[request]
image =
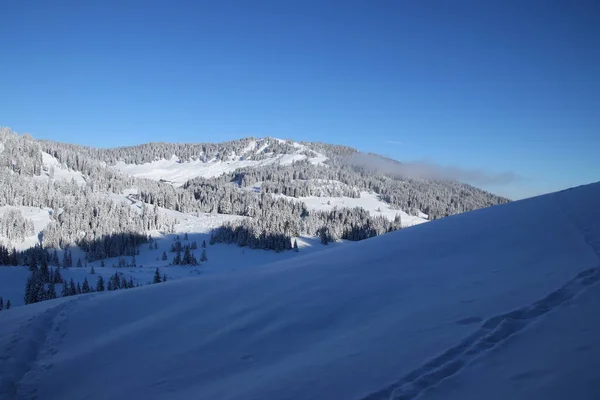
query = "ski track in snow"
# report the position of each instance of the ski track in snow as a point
(494, 331)
(28, 346)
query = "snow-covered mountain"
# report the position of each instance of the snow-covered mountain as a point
(496, 303)
(286, 189)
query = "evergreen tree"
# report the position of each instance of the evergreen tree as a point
(8, 304)
(204, 244)
(157, 278)
(32, 263)
(194, 245)
(124, 283)
(1, 303)
(130, 284)
(177, 259)
(51, 294)
(203, 257)
(185, 236)
(116, 281)
(164, 256)
(45, 272)
(110, 285)
(55, 262)
(133, 262)
(79, 265)
(164, 277)
(92, 271)
(295, 245)
(101, 263)
(65, 290)
(67, 261)
(187, 257)
(57, 276)
(78, 289)
(155, 245)
(29, 291)
(85, 288)
(72, 288)
(100, 284)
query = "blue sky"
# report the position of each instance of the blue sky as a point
(495, 89)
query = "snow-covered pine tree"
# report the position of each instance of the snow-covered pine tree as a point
(100, 284)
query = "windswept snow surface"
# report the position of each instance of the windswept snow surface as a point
(497, 303)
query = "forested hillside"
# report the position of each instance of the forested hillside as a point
(86, 194)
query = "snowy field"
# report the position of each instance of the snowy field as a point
(222, 257)
(499, 303)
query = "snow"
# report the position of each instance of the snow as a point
(371, 202)
(495, 303)
(40, 218)
(61, 172)
(222, 258)
(177, 172)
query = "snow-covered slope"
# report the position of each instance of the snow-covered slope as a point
(40, 218)
(177, 172)
(370, 202)
(53, 169)
(497, 303)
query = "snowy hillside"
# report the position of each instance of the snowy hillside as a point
(177, 171)
(368, 201)
(496, 303)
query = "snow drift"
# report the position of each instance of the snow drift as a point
(497, 303)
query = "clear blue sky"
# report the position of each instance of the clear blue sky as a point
(493, 86)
